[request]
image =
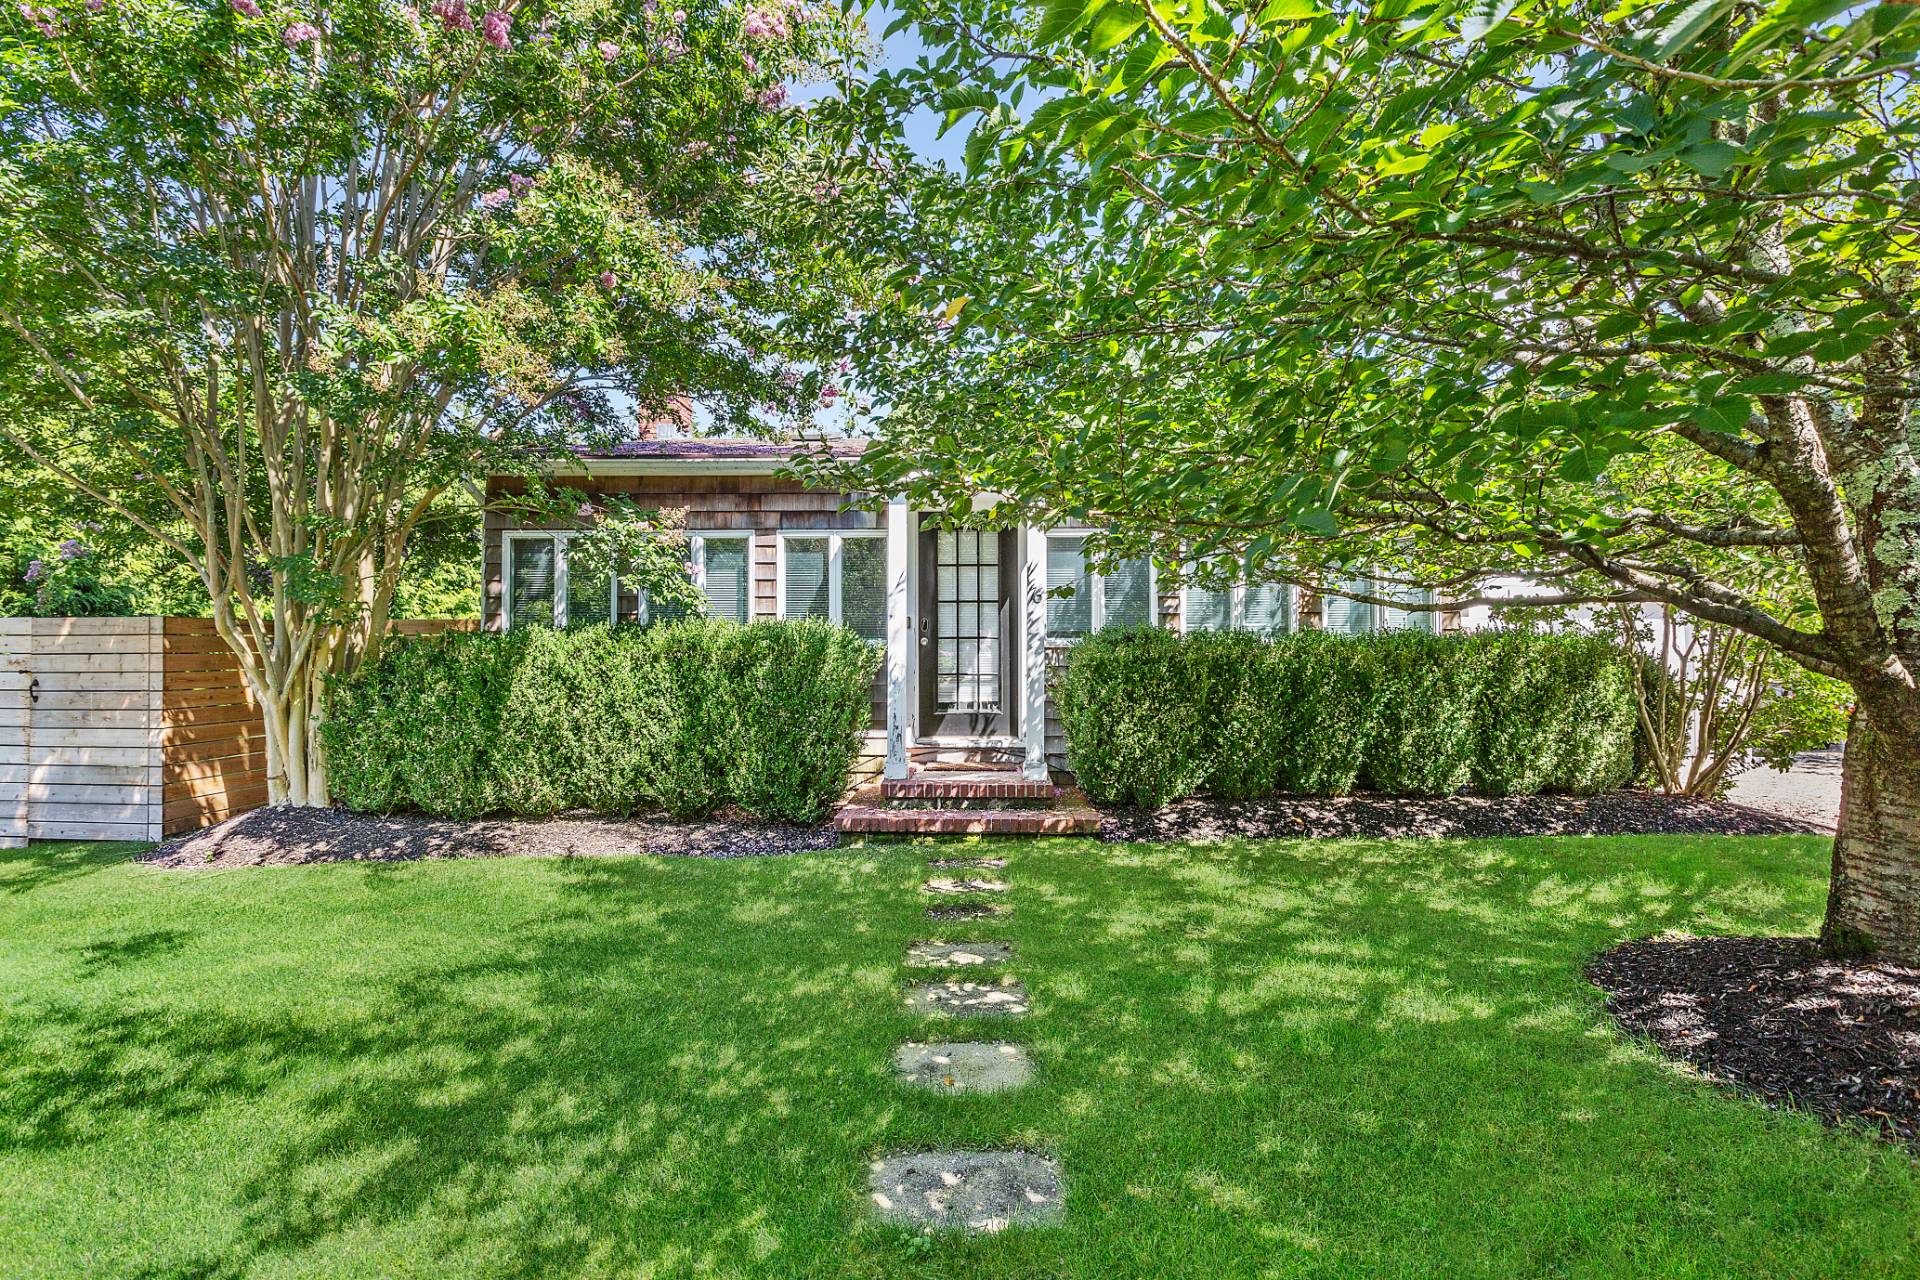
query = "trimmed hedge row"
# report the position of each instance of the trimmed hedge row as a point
(684, 717)
(1151, 715)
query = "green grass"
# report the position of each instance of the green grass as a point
(1266, 1059)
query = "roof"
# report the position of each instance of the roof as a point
(720, 450)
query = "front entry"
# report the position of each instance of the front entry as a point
(966, 649)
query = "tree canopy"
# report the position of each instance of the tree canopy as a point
(1616, 297)
(275, 277)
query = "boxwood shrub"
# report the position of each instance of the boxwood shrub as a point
(1151, 716)
(684, 717)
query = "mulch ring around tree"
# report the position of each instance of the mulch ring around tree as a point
(1617, 813)
(1776, 1018)
(293, 836)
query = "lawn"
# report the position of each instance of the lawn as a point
(1285, 1059)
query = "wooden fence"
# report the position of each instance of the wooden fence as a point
(127, 728)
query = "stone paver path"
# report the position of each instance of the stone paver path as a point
(1003, 1000)
(981, 1191)
(960, 884)
(966, 911)
(969, 1191)
(957, 955)
(964, 1067)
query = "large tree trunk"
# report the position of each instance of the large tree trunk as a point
(1873, 905)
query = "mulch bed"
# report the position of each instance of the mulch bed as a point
(1775, 1018)
(290, 837)
(1618, 813)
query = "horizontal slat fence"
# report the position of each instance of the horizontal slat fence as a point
(128, 728)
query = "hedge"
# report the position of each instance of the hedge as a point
(684, 717)
(1151, 716)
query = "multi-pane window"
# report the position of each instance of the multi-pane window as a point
(1081, 601)
(839, 576)
(542, 589)
(1345, 616)
(1265, 607)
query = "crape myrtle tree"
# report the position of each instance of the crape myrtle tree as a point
(289, 271)
(1618, 299)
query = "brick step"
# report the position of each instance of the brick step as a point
(954, 788)
(873, 820)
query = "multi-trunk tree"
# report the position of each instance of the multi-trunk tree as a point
(288, 272)
(1620, 299)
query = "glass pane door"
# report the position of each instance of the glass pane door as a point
(967, 609)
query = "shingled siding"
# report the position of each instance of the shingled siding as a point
(766, 505)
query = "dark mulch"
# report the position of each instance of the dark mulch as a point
(1776, 1018)
(1617, 813)
(288, 837)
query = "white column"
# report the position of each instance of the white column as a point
(899, 635)
(1033, 664)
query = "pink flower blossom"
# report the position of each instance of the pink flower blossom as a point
(453, 15)
(774, 97)
(751, 63)
(608, 50)
(45, 20)
(246, 8)
(751, 178)
(765, 23)
(299, 33)
(520, 183)
(495, 198)
(72, 549)
(828, 394)
(698, 148)
(95, 6)
(680, 17)
(494, 27)
(609, 281)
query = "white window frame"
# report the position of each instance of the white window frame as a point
(836, 572)
(1237, 606)
(560, 538)
(696, 565)
(1097, 615)
(1376, 614)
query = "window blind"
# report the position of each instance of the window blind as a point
(532, 570)
(725, 580)
(1071, 616)
(807, 564)
(1129, 594)
(863, 587)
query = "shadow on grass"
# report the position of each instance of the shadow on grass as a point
(45, 863)
(1368, 1052)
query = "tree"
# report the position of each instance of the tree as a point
(291, 273)
(1421, 282)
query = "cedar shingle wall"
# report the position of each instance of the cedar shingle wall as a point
(763, 504)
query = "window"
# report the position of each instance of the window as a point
(1121, 597)
(1353, 617)
(1265, 607)
(540, 590)
(837, 575)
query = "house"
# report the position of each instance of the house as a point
(967, 617)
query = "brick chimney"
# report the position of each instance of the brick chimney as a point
(674, 421)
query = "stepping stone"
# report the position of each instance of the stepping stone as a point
(966, 911)
(963, 1067)
(957, 955)
(978, 1192)
(947, 864)
(957, 884)
(968, 999)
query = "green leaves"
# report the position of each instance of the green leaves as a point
(1481, 16)
(1687, 26)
